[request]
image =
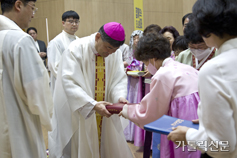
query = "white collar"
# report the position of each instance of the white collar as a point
(230, 44)
(69, 35)
(92, 43)
(8, 24)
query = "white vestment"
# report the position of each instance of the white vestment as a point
(55, 50)
(26, 101)
(74, 120)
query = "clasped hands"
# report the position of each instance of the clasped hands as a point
(100, 107)
(42, 54)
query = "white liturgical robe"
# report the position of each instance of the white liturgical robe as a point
(55, 50)
(74, 120)
(25, 98)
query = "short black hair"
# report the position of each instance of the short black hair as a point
(216, 16)
(180, 43)
(108, 39)
(191, 34)
(153, 28)
(170, 29)
(31, 28)
(185, 16)
(7, 5)
(70, 14)
(152, 46)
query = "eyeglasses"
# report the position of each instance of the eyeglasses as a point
(72, 22)
(33, 8)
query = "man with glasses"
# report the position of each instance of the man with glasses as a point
(198, 53)
(56, 47)
(90, 76)
(25, 97)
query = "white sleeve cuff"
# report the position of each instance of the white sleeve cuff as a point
(87, 110)
(190, 137)
(125, 111)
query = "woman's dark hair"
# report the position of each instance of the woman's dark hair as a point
(153, 28)
(152, 46)
(180, 43)
(170, 29)
(191, 34)
(108, 39)
(70, 14)
(7, 5)
(185, 16)
(31, 28)
(216, 16)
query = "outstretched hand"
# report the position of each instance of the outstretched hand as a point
(147, 74)
(123, 100)
(196, 121)
(101, 109)
(178, 135)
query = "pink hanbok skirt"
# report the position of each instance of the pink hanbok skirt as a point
(184, 108)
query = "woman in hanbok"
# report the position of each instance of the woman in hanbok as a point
(171, 34)
(173, 92)
(135, 91)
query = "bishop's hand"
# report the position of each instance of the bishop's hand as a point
(101, 109)
(123, 100)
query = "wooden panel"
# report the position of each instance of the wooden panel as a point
(52, 10)
(164, 19)
(164, 13)
(187, 6)
(95, 13)
(163, 5)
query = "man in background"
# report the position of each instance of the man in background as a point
(40, 45)
(56, 47)
(25, 98)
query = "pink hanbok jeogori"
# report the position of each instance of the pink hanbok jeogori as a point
(173, 92)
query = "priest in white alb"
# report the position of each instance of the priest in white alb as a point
(56, 47)
(25, 98)
(90, 76)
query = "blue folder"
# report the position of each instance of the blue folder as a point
(164, 124)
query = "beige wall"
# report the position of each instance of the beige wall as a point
(94, 13)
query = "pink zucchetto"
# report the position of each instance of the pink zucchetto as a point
(115, 31)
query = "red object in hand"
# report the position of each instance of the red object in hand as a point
(116, 108)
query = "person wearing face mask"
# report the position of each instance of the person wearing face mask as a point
(198, 53)
(173, 91)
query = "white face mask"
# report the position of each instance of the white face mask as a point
(200, 54)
